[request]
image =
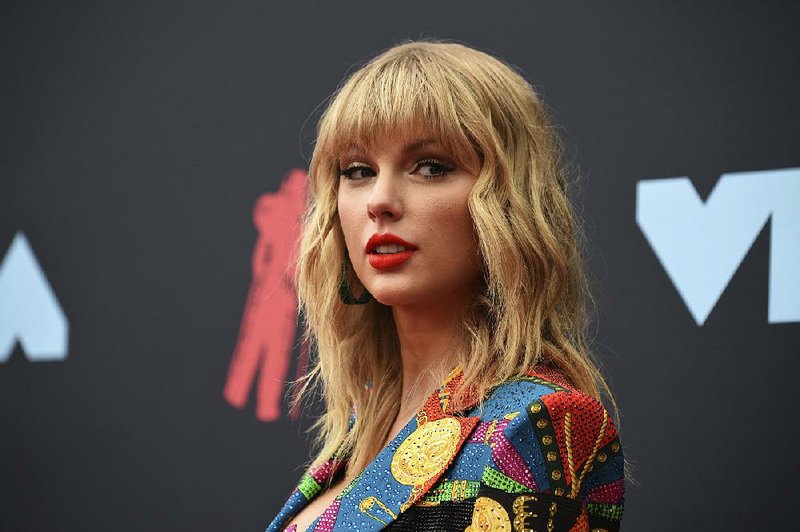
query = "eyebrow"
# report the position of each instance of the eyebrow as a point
(413, 146)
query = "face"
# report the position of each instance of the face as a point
(403, 209)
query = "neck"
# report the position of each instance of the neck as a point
(428, 337)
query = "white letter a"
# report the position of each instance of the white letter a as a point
(29, 311)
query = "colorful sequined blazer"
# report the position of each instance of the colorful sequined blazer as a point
(539, 456)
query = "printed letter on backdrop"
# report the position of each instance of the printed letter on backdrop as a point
(701, 245)
(29, 310)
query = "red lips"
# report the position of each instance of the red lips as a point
(384, 261)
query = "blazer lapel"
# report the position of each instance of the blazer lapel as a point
(406, 468)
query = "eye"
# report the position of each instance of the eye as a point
(356, 171)
(431, 168)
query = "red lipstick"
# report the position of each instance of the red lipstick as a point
(384, 261)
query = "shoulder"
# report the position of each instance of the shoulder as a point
(565, 440)
(544, 393)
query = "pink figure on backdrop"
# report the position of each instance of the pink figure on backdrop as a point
(269, 322)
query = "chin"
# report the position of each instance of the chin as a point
(391, 298)
(394, 294)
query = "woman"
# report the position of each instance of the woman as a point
(442, 284)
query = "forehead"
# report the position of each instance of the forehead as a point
(411, 145)
(401, 144)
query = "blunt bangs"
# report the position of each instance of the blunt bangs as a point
(399, 97)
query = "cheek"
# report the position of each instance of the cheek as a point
(349, 221)
(452, 222)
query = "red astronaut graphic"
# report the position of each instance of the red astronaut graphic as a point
(268, 326)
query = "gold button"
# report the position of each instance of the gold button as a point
(551, 456)
(556, 474)
(558, 491)
(615, 446)
(536, 408)
(547, 439)
(542, 423)
(602, 457)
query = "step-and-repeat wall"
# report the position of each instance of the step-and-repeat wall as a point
(152, 170)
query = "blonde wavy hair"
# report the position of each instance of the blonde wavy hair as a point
(532, 307)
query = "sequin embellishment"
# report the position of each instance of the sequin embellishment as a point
(373, 507)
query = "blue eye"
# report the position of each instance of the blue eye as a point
(431, 169)
(357, 171)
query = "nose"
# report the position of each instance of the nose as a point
(385, 198)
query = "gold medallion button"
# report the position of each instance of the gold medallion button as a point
(489, 516)
(426, 451)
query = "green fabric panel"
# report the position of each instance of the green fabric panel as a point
(495, 479)
(444, 491)
(308, 486)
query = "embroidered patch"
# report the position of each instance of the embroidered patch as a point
(426, 451)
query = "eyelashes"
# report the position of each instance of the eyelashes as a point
(357, 171)
(437, 168)
(429, 169)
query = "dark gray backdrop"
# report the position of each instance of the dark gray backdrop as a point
(136, 137)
